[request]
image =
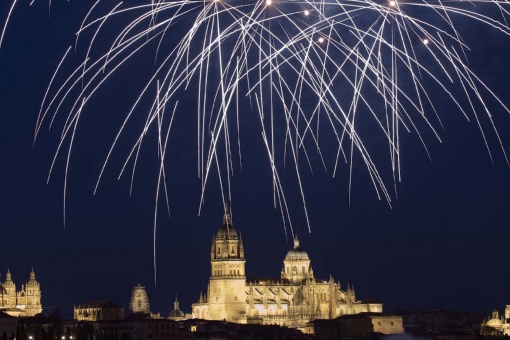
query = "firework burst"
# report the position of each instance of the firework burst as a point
(354, 70)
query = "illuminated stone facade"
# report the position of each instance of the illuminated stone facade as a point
(496, 325)
(98, 311)
(291, 300)
(25, 302)
(139, 300)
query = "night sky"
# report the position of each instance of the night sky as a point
(442, 244)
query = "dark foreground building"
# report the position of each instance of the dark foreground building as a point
(362, 325)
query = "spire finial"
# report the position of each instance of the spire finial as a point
(176, 303)
(226, 217)
(296, 242)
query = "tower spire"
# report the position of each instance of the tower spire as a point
(176, 303)
(227, 220)
(296, 242)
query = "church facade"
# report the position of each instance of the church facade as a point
(25, 302)
(497, 325)
(292, 300)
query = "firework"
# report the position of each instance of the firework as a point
(353, 70)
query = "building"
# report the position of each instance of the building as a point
(25, 302)
(98, 311)
(291, 300)
(444, 323)
(8, 326)
(496, 325)
(356, 326)
(139, 301)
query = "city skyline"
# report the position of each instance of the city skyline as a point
(441, 245)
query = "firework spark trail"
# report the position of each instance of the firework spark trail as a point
(302, 65)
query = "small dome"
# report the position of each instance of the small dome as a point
(176, 314)
(296, 253)
(32, 281)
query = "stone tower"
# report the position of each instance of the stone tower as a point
(10, 288)
(226, 292)
(139, 300)
(30, 296)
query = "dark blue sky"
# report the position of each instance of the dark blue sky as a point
(442, 244)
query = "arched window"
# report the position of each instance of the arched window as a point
(303, 269)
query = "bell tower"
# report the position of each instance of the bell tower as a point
(10, 287)
(32, 298)
(227, 284)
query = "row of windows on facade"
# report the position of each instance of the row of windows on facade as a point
(232, 272)
(295, 270)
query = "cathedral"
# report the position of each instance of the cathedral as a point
(25, 302)
(292, 300)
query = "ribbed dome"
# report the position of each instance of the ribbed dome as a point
(226, 231)
(176, 313)
(296, 253)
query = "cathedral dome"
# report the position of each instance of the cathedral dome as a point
(494, 323)
(296, 254)
(176, 313)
